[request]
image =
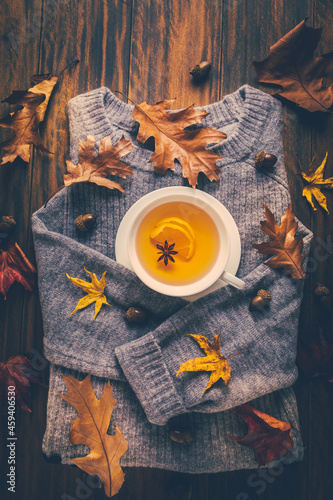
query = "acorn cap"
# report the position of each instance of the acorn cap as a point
(264, 294)
(200, 71)
(8, 219)
(260, 158)
(321, 290)
(79, 224)
(85, 222)
(7, 225)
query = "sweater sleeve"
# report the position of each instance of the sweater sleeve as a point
(149, 356)
(268, 338)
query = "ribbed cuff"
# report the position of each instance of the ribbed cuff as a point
(145, 370)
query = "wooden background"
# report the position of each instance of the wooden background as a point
(146, 48)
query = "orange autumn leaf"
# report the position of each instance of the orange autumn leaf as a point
(25, 121)
(90, 429)
(213, 362)
(315, 182)
(283, 245)
(291, 65)
(95, 169)
(172, 142)
(269, 438)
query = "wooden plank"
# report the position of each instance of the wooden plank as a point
(321, 401)
(19, 61)
(98, 34)
(169, 39)
(249, 29)
(19, 47)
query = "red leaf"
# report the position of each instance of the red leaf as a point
(269, 438)
(316, 359)
(18, 372)
(15, 266)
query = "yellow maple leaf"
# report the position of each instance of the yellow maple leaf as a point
(214, 362)
(316, 181)
(95, 291)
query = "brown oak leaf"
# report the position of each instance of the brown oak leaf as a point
(25, 121)
(269, 438)
(44, 84)
(15, 266)
(315, 182)
(16, 375)
(172, 142)
(90, 428)
(95, 169)
(316, 359)
(291, 65)
(283, 245)
(213, 362)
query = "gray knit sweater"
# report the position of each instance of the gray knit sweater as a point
(142, 361)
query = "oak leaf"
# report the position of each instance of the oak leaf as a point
(90, 429)
(291, 65)
(44, 84)
(269, 438)
(315, 182)
(15, 266)
(95, 169)
(316, 359)
(94, 289)
(173, 142)
(283, 245)
(214, 362)
(17, 374)
(25, 121)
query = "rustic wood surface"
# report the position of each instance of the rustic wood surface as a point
(146, 48)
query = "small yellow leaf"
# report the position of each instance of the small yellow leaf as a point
(214, 361)
(315, 182)
(95, 291)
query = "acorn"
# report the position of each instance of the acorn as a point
(181, 436)
(136, 315)
(85, 222)
(324, 295)
(200, 71)
(264, 159)
(262, 298)
(7, 224)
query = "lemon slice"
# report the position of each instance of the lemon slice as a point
(179, 222)
(174, 233)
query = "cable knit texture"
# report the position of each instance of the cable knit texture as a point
(142, 361)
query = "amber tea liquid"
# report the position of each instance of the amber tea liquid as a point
(182, 271)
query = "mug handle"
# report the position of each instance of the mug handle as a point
(232, 280)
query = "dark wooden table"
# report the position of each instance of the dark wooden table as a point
(146, 48)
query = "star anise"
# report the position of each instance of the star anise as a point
(167, 252)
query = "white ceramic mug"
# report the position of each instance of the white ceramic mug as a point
(224, 224)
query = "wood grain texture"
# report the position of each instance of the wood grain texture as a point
(321, 394)
(145, 49)
(168, 39)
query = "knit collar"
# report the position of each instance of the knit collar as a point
(247, 109)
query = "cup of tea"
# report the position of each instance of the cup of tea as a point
(179, 241)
